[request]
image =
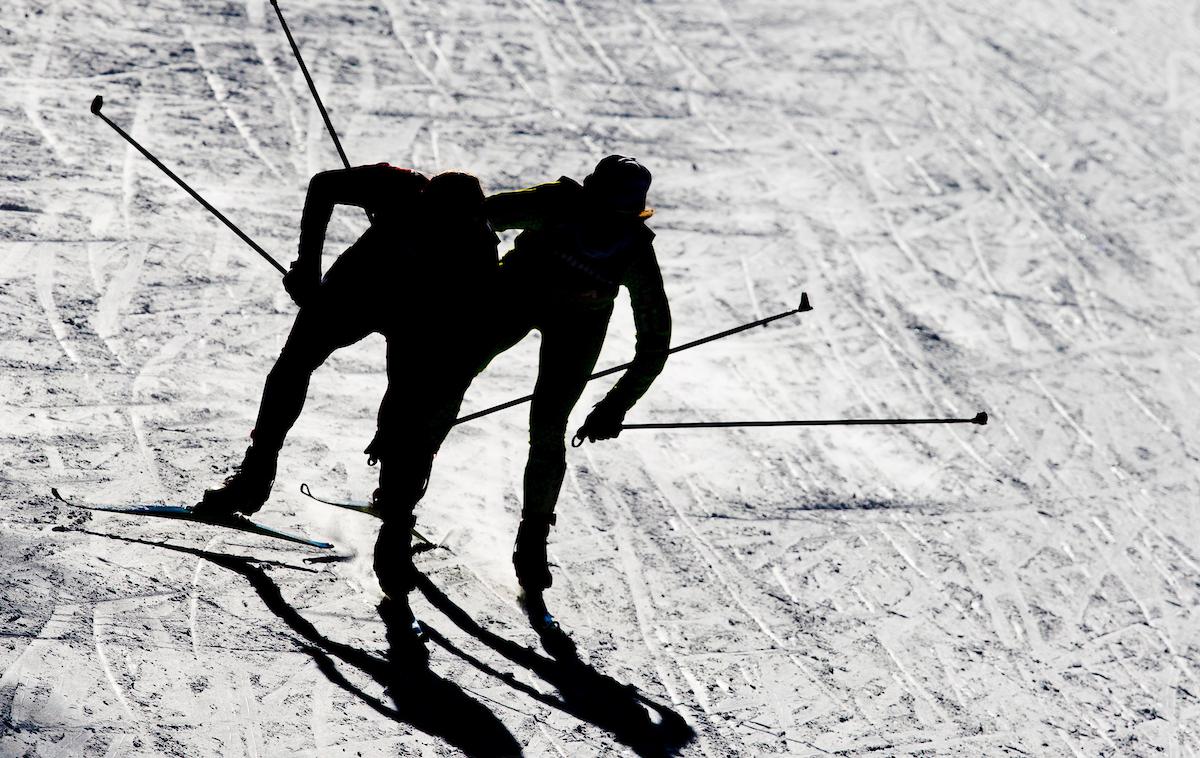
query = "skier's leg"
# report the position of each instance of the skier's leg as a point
(405, 445)
(345, 310)
(443, 362)
(416, 414)
(571, 343)
(418, 410)
(326, 325)
(402, 478)
(414, 420)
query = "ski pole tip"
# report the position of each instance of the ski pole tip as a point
(981, 418)
(804, 304)
(97, 104)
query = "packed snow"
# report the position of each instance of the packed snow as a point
(992, 206)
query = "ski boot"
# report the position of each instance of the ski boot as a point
(244, 491)
(529, 553)
(556, 641)
(540, 618)
(405, 635)
(533, 575)
(397, 578)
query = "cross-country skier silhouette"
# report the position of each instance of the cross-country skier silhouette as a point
(430, 257)
(429, 245)
(579, 243)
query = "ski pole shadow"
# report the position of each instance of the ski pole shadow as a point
(422, 699)
(644, 726)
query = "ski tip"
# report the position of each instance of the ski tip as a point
(804, 304)
(97, 104)
(981, 418)
(322, 545)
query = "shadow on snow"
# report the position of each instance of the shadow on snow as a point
(438, 707)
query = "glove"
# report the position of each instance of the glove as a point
(603, 423)
(301, 282)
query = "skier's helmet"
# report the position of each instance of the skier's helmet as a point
(620, 184)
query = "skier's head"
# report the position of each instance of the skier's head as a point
(620, 184)
(453, 197)
(455, 224)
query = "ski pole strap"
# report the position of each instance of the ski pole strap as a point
(980, 419)
(98, 103)
(803, 307)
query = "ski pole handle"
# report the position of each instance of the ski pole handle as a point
(98, 103)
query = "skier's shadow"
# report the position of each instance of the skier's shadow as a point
(440, 708)
(422, 699)
(646, 727)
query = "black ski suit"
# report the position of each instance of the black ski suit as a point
(561, 278)
(394, 274)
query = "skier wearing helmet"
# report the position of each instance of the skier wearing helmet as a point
(579, 243)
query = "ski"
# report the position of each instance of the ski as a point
(358, 506)
(369, 509)
(181, 513)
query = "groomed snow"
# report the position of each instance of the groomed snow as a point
(992, 206)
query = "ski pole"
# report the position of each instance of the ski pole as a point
(98, 103)
(312, 87)
(980, 419)
(803, 307)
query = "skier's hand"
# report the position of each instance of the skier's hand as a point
(301, 282)
(602, 423)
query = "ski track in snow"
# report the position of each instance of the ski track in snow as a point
(992, 207)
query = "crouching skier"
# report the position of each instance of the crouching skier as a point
(409, 277)
(578, 244)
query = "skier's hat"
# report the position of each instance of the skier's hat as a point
(620, 184)
(451, 198)
(453, 191)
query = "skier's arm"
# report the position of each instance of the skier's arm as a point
(652, 320)
(374, 188)
(529, 208)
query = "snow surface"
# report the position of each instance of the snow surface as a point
(992, 204)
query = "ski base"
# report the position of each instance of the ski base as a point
(181, 513)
